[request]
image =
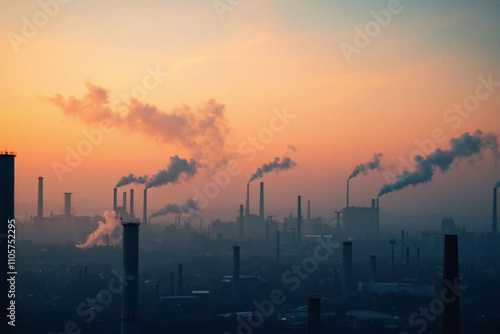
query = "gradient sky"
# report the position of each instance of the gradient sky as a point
(262, 57)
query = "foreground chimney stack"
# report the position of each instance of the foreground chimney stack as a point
(145, 207)
(247, 209)
(450, 320)
(241, 222)
(314, 315)
(130, 307)
(261, 206)
(347, 195)
(115, 199)
(236, 274)
(125, 201)
(347, 269)
(308, 211)
(67, 207)
(299, 221)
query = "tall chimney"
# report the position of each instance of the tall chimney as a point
(125, 201)
(236, 274)
(347, 269)
(347, 197)
(378, 213)
(267, 228)
(115, 199)
(308, 211)
(261, 205)
(172, 283)
(130, 307)
(247, 209)
(241, 222)
(314, 315)
(132, 202)
(145, 208)
(373, 268)
(277, 247)
(180, 279)
(299, 221)
(407, 261)
(67, 207)
(494, 223)
(40, 197)
(450, 320)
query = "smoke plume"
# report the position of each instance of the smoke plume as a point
(131, 179)
(291, 148)
(203, 131)
(175, 169)
(275, 165)
(465, 146)
(185, 208)
(109, 227)
(370, 165)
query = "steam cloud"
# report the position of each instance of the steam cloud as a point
(275, 165)
(175, 169)
(109, 227)
(370, 165)
(203, 131)
(189, 206)
(462, 147)
(131, 179)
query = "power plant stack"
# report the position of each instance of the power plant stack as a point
(67, 208)
(236, 274)
(40, 199)
(130, 307)
(124, 202)
(308, 211)
(247, 208)
(132, 202)
(115, 199)
(347, 269)
(6, 214)
(314, 315)
(145, 208)
(299, 221)
(261, 205)
(450, 320)
(347, 195)
(241, 223)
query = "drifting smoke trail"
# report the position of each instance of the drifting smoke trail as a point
(275, 165)
(109, 228)
(203, 131)
(175, 168)
(188, 207)
(462, 147)
(292, 148)
(131, 179)
(364, 168)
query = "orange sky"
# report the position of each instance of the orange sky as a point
(261, 58)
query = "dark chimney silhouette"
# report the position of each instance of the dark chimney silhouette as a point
(299, 221)
(347, 195)
(314, 315)
(132, 202)
(67, 207)
(450, 319)
(115, 198)
(145, 208)
(308, 211)
(40, 198)
(241, 222)
(247, 208)
(347, 269)
(125, 201)
(261, 205)
(236, 274)
(130, 292)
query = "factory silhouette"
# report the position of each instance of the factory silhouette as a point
(130, 271)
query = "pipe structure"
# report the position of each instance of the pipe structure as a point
(308, 211)
(40, 198)
(261, 202)
(450, 319)
(130, 297)
(347, 269)
(145, 208)
(299, 221)
(115, 198)
(347, 195)
(314, 315)
(247, 208)
(236, 275)
(67, 207)
(241, 223)
(132, 202)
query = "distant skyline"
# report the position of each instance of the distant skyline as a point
(235, 87)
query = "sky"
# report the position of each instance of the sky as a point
(93, 91)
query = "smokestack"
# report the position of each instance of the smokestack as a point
(115, 199)
(299, 221)
(132, 202)
(314, 315)
(347, 269)
(308, 211)
(277, 247)
(130, 307)
(378, 212)
(236, 274)
(172, 283)
(125, 201)
(494, 223)
(347, 197)
(180, 279)
(247, 209)
(267, 228)
(40, 197)
(261, 205)
(373, 268)
(67, 207)
(407, 261)
(145, 208)
(241, 222)
(450, 320)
